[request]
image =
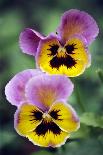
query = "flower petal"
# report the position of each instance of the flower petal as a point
(29, 40)
(77, 22)
(79, 55)
(14, 90)
(64, 116)
(50, 138)
(46, 51)
(43, 90)
(29, 122)
(53, 58)
(27, 118)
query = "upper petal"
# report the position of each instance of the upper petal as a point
(43, 90)
(14, 90)
(77, 22)
(29, 40)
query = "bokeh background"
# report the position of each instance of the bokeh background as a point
(87, 99)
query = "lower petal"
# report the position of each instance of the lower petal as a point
(79, 55)
(80, 48)
(64, 116)
(27, 117)
(49, 139)
(71, 64)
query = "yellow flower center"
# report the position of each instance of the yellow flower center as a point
(61, 52)
(46, 115)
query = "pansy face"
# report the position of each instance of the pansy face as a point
(70, 59)
(43, 116)
(66, 52)
(49, 128)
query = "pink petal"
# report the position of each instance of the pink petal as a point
(29, 40)
(14, 90)
(77, 22)
(44, 89)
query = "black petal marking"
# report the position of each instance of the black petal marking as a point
(70, 48)
(45, 126)
(54, 114)
(68, 61)
(37, 115)
(53, 48)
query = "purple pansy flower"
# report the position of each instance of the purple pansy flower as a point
(43, 115)
(65, 52)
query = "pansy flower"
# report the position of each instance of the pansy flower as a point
(65, 52)
(43, 115)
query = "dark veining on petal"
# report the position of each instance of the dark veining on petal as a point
(45, 126)
(70, 48)
(54, 114)
(37, 115)
(67, 61)
(53, 48)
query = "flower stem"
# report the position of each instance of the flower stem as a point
(100, 74)
(80, 103)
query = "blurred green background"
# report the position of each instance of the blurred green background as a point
(87, 99)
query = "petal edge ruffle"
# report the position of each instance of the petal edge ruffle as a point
(77, 22)
(29, 40)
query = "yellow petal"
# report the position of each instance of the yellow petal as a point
(79, 53)
(64, 116)
(60, 62)
(27, 118)
(46, 55)
(45, 136)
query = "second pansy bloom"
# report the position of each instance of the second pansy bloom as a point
(67, 51)
(42, 115)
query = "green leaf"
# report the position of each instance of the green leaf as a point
(92, 119)
(81, 133)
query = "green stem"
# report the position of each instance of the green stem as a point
(100, 74)
(55, 151)
(70, 140)
(80, 103)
